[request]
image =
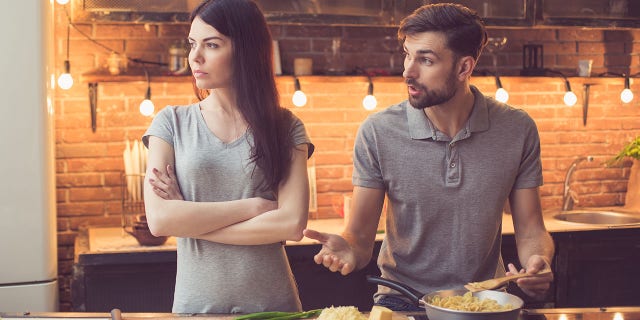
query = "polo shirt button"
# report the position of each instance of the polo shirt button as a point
(453, 165)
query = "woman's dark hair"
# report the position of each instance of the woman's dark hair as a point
(463, 28)
(254, 83)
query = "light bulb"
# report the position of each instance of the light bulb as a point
(147, 107)
(369, 102)
(570, 98)
(502, 95)
(626, 95)
(65, 81)
(299, 98)
(62, 2)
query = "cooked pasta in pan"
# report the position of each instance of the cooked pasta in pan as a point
(468, 302)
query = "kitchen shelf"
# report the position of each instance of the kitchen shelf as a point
(133, 74)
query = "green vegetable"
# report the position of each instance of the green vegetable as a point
(263, 315)
(631, 150)
(279, 315)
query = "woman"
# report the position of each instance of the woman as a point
(240, 186)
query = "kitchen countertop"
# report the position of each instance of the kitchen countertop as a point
(615, 313)
(114, 239)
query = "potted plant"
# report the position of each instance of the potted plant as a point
(631, 150)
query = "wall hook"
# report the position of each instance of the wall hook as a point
(585, 102)
(93, 104)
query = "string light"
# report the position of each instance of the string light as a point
(570, 98)
(501, 94)
(146, 106)
(369, 102)
(626, 95)
(65, 81)
(299, 99)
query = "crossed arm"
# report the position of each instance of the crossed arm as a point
(243, 222)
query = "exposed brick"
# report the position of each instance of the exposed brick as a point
(577, 34)
(330, 172)
(178, 30)
(312, 31)
(600, 47)
(125, 31)
(79, 180)
(342, 185)
(89, 47)
(79, 209)
(297, 45)
(66, 238)
(84, 150)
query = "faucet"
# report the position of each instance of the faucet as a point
(569, 197)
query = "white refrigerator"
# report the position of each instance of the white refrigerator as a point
(28, 246)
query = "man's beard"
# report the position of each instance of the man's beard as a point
(430, 98)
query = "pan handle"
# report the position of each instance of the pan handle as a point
(406, 290)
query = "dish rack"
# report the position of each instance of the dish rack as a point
(132, 198)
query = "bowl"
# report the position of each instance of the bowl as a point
(503, 298)
(140, 231)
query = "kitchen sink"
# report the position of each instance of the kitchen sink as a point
(597, 217)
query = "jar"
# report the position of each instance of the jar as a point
(114, 63)
(177, 57)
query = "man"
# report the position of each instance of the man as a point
(448, 159)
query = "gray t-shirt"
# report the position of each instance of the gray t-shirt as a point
(446, 195)
(214, 277)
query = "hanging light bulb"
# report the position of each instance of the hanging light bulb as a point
(501, 94)
(369, 102)
(570, 98)
(65, 81)
(146, 106)
(626, 95)
(299, 98)
(62, 2)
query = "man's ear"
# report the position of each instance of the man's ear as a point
(465, 67)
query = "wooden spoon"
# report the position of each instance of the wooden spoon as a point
(499, 282)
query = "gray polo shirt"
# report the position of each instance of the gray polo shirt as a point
(445, 194)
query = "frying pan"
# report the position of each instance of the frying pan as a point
(438, 313)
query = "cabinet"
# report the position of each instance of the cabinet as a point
(496, 13)
(598, 268)
(546, 13)
(320, 288)
(590, 13)
(595, 268)
(130, 281)
(511, 13)
(592, 269)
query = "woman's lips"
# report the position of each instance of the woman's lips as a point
(199, 73)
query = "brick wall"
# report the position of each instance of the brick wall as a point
(89, 164)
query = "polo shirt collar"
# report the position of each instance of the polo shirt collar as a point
(420, 127)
